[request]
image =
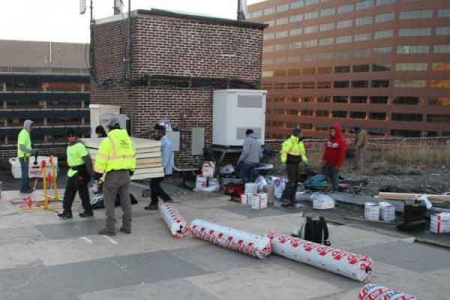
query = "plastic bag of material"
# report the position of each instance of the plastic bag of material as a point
(322, 201)
(260, 182)
(227, 169)
(424, 198)
(280, 186)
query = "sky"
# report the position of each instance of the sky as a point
(60, 21)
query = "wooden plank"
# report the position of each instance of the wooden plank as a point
(406, 196)
(138, 143)
(149, 171)
(147, 176)
(147, 166)
(138, 156)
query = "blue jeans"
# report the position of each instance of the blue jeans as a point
(25, 179)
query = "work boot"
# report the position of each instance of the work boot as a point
(106, 231)
(65, 215)
(124, 230)
(152, 207)
(286, 202)
(86, 214)
(27, 191)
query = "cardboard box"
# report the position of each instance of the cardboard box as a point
(372, 211)
(246, 199)
(440, 223)
(251, 188)
(259, 201)
(387, 211)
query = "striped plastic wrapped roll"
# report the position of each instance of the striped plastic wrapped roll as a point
(245, 242)
(378, 292)
(176, 223)
(354, 266)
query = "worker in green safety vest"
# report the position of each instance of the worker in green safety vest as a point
(24, 151)
(79, 175)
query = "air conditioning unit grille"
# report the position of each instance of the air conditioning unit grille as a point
(240, 132)
(250, 101)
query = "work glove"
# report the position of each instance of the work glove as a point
(131, 173)
(96, 176)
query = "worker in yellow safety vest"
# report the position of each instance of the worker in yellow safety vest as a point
(78, 176)
(292, 154)
(24, 151)
(116, 157)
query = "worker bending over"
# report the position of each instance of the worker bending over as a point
(79, 175)
(292, 154)
(24, 151)
(116, 157)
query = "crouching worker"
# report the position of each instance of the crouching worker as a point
(80, 168)
(292, 154)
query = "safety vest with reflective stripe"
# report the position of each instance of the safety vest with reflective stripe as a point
(293, 147)
(116, 152)
(23, 139)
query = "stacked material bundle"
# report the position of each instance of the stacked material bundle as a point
(174, 220)
(375, 292)
(148, 155)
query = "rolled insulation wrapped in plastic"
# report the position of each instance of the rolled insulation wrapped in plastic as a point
(245, 242)
(378, 292)
(176, 223)
(338, 261)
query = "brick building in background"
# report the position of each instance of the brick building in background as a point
(47, 83)
(383, 65)
(177, 61)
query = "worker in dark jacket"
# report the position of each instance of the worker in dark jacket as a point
(80, 168)
(251, 154)
(334, 155)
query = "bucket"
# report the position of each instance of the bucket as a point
(15, 167)
(200, 183)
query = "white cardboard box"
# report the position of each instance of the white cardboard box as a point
(440, 223)
(251, 188)
(372, 211)
(387, 211)
(246, 199)
(259, 201)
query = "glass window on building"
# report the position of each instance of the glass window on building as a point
(306, 126)
(326, 12)
(326, 27)
(326, 41)
(362, 37)
(443, 66)
(307, 99)
(344, 39)
(438, 118)
(416, 14)
(384, 17)
(443, 31)
(325, 56)
(366, 4)
(280, 60)
(269, 48)
(281, 47)
(281, 34)
(339, 114)
(322, 113)
(281, 8)
(296, 4)
(410, 83)
(406, 100)
(382, 50)
(442, 84)
(358, 115)
(439, 101)
(359, 84)
(441, 48)
(324, 99)
(377, 116)
(358, 99)
(295, 58)
(381, 67)
(308, 85)
(411, 67)
(295, 32)
(310, 43)
(311, 2)
(294, 72)
(413, 49)
(324, 70)
(270, 22)
(384, 34)
(380, 83)
(309, 71)
(269, 36)
(340, 99)
(269, 11)
(385, 2)
(282, 21)
(257, 14)
(294, 99)
(295, 45)
(345, 8)
(342, 69)
(311, 29)
(267, 74)
(405, 133)
(376, 131)
(407, 117)
(344, 24)
(296, 18)
(363, 21)
(444, 13)
(306, 113)
(378, 100)
(414, 32)
(311, 15)
(279, 86)
(324, 85)
(361, 68)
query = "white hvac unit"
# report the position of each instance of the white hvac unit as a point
(235, 111)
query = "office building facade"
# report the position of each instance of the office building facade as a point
(383, 65)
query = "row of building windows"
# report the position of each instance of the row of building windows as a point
(380, 67)
(350, 54)
(380, 18)
(345, 84)
(362, 115)
(400, 100)
(382, 34)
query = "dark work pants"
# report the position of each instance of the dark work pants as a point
(293, 173)
(25, 179)
(77, 183)
(333, 175)
(117, 183)
(157, 191)
(247, 172)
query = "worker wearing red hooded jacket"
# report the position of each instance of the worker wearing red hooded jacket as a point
(334, 155)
